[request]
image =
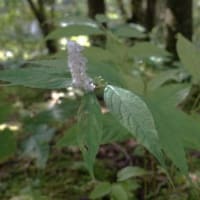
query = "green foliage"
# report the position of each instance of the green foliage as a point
(89, 120)
(118, 192)
(37, 146)
(100, 190)
(145, 50)
(37, 77)
(75, 30)
(134, 114)
(189, 56)
(7, 144)
(130, 172)
(128, 31)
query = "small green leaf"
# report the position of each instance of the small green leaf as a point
(7, 145)
(128, 31)
(90, 124)
(118, 192)
(101, 189)
(130, 172)
(75, 30)
(145, 50)
(189, 56)
(133, 114)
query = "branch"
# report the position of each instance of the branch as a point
(34, 8)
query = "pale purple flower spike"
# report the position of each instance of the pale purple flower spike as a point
(77, 67)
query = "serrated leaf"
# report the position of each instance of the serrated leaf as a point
(37, 77)
(129, 172)
(7, 145)
(101, 189)
(90, 124)
(118, 192)
(133, 114)
(189, 56)
(75, 30)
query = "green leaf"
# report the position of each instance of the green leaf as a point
(112, 130)
(172, 126)
(133, 114)
(128, 31)
(189, 56)
(165, 77)
(145, 50)
(90, 124)
(38, 77)
(70, 137)
(118, 192)
(5, 109)
(101, 189)
(36, 146)
(129, 172)
(75, 30)
(7, 145)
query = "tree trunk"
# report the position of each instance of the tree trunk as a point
(46, 24)
(122, 9)
(178, 19)
(150, 14)
(97, 7)
(137, 12)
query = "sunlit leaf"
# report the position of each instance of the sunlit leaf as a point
(133, 113)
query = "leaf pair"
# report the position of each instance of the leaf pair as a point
(156, 125)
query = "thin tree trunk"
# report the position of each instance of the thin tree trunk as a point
(46, 25)
(150, 14)
(178, 20)
(97, 7)
(137, 12)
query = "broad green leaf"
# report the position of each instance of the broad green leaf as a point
(165, 77)
(128, 31)
(7, 145)
(101, 189)
(57, 65)
(133, 114)
(90, 124)
(75, 30)
(112, 131)
(130, 172)
(37, 77)
(172, 126)
(167, 98)
(189, 56)
(145, 50)
(118, 192)
(36, 146)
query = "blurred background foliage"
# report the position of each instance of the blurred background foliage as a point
(128, 43)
